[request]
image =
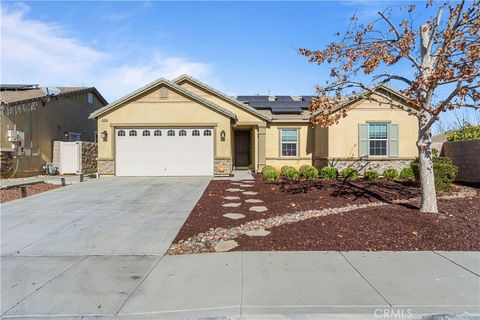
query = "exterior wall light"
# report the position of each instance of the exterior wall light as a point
(222, 135)
(104, 135)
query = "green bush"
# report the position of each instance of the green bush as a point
(270, 173)
(308, 171)
(407, 173)
(467, 132)
(444, 172)
(349, 173)
(290, 173)
(371, 175)
(329, 173)
(390, 174)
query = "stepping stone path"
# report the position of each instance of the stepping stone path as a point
(258, 208)
(245, 185)
(227, 245)
(234, 190)
(253, 201)
(231, 205)
(234, 216)
(250, 193)
(237, 183)
(257, 233)
(231, 198)
(248, 181)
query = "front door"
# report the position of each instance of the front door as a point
(242, 148)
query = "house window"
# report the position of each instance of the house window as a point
(377, 139)
(182, 133)
(207, 132)
(121, 133)
(90, 97)
(289, 142)
(170, 133)
(146, 133)
(132, 133)
(157, 133)
(74, 136)
(196, 133)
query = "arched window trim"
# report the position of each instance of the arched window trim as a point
(196, 133)
(157, 133)
(132, 133)
(207, 132)
(121, 133)
(146, 133)
(171, 133)
(182, 133)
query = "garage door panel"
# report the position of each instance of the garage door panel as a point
(164, 155)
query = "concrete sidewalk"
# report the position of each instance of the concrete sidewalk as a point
(243, 285)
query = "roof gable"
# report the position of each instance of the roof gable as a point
(220, 95)
(158, 83)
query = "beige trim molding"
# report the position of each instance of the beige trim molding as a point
(105, 159)
(164, 125)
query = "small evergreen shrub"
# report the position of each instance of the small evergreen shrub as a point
(349, 173)
(328, 173)
(444, 172)
(407, 173)
(371, 175)
(270, 173)
(467, 132)
(308, 171)
(390, 174)
(290, 173)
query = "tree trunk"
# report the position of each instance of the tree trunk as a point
(427, 178)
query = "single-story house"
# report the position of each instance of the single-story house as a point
(185, 127)
(33, 117)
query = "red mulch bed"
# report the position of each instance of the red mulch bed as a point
(15, 193)
(396, 227)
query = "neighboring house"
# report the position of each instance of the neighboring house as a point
(185, 127)
(39, 119)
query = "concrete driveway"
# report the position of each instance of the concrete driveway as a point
(120, 216)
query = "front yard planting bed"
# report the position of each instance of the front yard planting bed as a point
(388, 226)
(16, 193)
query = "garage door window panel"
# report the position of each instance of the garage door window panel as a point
(171, 133)
(146, 133)
(157, 133)
(121, 133)
(207, 133)
(196, 133)
(132, 133)
(182, 133)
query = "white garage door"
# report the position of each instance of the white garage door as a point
(164, 152)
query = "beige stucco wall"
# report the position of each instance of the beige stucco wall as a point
(149, 111)
(343, 137)
(49, 123)
(305, 148)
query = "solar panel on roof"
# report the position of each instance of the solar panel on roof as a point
(290, 110)
(284, 98)
(252, 98)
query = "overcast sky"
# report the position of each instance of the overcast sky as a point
(239, 48)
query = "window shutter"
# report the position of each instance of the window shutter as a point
(393, 140)
(362, 140)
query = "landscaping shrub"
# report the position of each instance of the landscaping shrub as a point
(308, 171)
(407, 173)
(444, 172)
(390, 174)
(270, 173)
(349, 173)
(371, 175)
(290, 173)
(467, 132)
(329, 173)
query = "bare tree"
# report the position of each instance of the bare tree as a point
(439, 63)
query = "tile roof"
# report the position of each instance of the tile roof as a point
(12, 97)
